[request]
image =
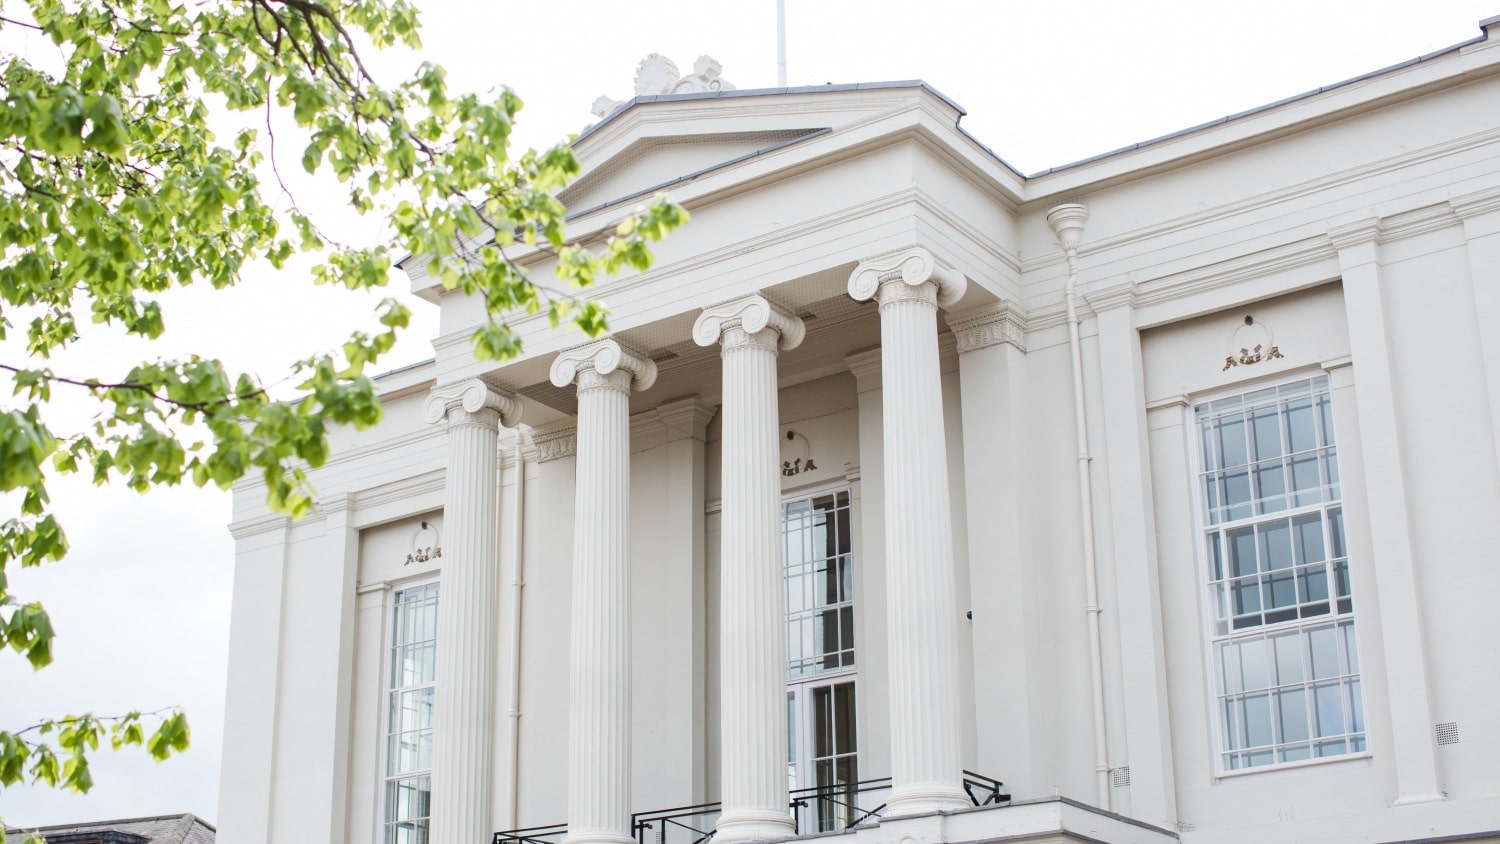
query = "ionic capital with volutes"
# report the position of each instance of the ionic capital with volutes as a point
(752, 315)
(603, 364)
(904, 274)
(472, 402)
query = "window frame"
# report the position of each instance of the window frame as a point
(1210, 640)
(387, 646)
(800, 687)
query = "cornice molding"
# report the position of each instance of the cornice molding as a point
(913, 266)
(254, 525)
(1476, 204)
(1270, 199)
(603, 357)
(989, 325)
(432, 481)
(865, 364)
(335, 502)
(685, 419)
(1118, 295)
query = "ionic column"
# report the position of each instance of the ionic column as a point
(921, 604)
(599, 721)
(752, 620)
(468, 611)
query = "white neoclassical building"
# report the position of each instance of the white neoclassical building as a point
(1161, 487)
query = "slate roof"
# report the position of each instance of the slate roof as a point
(163, 829)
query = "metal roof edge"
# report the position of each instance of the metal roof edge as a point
(1251, 112)
(766, 92)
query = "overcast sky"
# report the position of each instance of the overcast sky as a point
(142, 602)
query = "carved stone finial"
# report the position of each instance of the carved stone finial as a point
(658, 74)
(913, 266)
(603, 356)
(753, 314)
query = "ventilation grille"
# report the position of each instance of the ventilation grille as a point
(1120, 777)
(1447, 732)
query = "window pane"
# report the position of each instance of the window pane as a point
(1229, 660)
(1356, 706)
(1291, 715)
(1308, 533)
(1275, 545)
(1307, 485)
(1265, 434)
(1336, 531)
(1270, 487)
(1325, 411)
(1242, 552)
(1301, 430)
(1323, 645)
(1246, 596)
(1258, 720)
(1289, 661)
(1351, 650)
(1253, 664)
(1231, 442)
(1237, 495)
(1330, 709)
(1312, 583)
(844, 734)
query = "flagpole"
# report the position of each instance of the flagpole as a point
(781, 43)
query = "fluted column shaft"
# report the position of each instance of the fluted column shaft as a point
(599, 673)
(599, 718)
(468, 612)
(752, 606)
(921, 604)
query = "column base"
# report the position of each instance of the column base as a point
(924, 799)
(753, 825)
(597, 836)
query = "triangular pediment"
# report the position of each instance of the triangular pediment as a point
(653, 163)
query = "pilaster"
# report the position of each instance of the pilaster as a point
(682, 557)
(1480, 213)
(1389, 525)
(1132, 518)
(991, 369)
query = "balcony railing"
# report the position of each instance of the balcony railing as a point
(817, 809)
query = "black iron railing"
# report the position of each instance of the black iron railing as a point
(816, 809)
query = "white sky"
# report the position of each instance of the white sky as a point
(142, 602)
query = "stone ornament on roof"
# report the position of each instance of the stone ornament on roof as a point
(658, 74)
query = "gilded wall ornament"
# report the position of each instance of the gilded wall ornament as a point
(1251, 343)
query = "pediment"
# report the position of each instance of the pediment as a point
(649, 164)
